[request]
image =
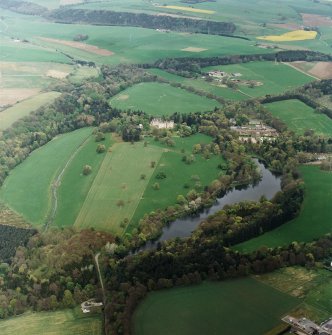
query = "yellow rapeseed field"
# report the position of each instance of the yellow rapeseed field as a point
(190, 9)
(296, 35)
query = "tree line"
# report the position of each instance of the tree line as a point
(111, 18)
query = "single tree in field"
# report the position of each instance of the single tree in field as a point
(100, 148)
(87, 169)
(120, 203)
(153, 164)
(100, 136)
(143, 176)
(156, 186)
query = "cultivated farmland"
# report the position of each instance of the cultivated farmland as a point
(241, 306)
(296, 35)
(300, 117)
(314, 219)
(161, 99)
(65, 322)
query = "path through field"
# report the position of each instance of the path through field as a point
(57, 182)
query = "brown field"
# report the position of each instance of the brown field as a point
(316, 20)
(322, 70)
(57, 74)
(122, 97)
(78, 45)
(9, 96)
(193, 49)
(290, 25)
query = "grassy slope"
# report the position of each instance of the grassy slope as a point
(314, 219)
(241, 306)
(276, 78)
(161, 99)
(74, 186)
(299, 117)
(24, 108)
(177, 174)
(27, 188)
(65, 322)
(118, 179)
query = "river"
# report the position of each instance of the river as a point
(268, 186)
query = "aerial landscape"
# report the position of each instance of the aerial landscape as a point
(165, 167)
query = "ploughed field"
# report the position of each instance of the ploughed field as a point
(118, 191)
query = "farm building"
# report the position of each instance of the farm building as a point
(162, 124)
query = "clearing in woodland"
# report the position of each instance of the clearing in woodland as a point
(162, 99)
(240, 306)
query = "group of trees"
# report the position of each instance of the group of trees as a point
(111, 18)
(51, 270)
(189, 261)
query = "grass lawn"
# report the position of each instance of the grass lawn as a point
(24, 108)
(74, 185)
(314, 219)
(35, 175)
(177, 175)
(118, 179)
(161, 99)
(276, 78)
(300, 117)
(241, 306)
(65, 322)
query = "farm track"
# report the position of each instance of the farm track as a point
(56, 184)
(296, 68)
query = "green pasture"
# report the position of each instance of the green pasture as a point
(118, 179)
(24, 108)
(300, 117)
(65, 322)
(129, 44)
(275, 77)
(241, 306)
(179, 175)
(314, 219)
(201, 84)
(27, 188)
(161, 99)
(74, 185)
(83, 72)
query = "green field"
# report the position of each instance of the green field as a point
(118, 179)
(173, 185)
(314, 219)
(35, 175)
(161, 99)
(300, 117)
(74, 186)
(65, 322)
(313, 286)
(201, 84)
(274, 77)
(241, 306)
(24, 108)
